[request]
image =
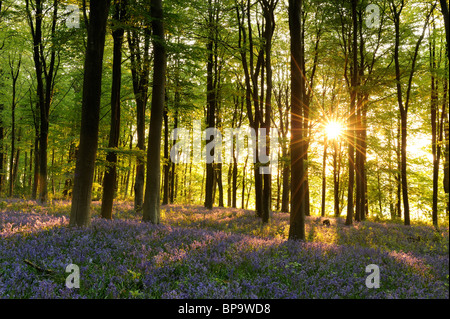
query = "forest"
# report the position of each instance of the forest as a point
(190, 149)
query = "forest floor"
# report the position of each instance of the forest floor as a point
(223, 253)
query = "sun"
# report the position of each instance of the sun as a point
(333, 129)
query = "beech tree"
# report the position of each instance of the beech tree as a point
(87, 151)
(109, 180)
(297, 145)
(151, 207)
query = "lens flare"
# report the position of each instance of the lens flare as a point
(333, 129)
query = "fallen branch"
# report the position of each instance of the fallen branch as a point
(30, 263)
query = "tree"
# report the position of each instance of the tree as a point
(445, 14)
(46, 71)
(151, 207)
(211, 87)
(87, 152)
(109, 180)
(403, 106)
(297, 144)
(352, 117)
(140, 69)
(14, 72)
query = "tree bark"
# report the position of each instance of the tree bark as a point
(324, 177)
(110, 177)
(140, 68)
(297, 143)
(151, 207)
(352, 118)
(84, 171)
(14, 72)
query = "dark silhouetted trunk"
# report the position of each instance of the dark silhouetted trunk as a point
(297, 143)
(109, 180)
(90, 111)
(151, 207)
(140, 68)
(352, 118)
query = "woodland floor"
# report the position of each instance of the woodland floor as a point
(223, 253)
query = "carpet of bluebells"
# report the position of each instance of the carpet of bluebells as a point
(223, 253)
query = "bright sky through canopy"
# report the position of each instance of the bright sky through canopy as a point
(333, 129)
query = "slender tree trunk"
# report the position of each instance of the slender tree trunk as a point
(269, 18)
(140, 68)
(445, 13)
(404, 107)
(173, 174)
(84, 171)
(14, 72)
(324, 177)
(1, 147)
(298, 191)
(445, 137)
(211, 107)
(110, 177)
(352, 120)
(151, 207)
(166, 166)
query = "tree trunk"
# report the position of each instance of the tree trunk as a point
(211, 107)
(110, 177)
(324, 177)
(352, 119)
(297, 143)
(1, 146)
(84, 171)
(14, 72)
(336, 176)
(165, 200)
(140, 66)
(404, 107)
(173, 175)
(445, 13)
(151, 207)
(268, 8)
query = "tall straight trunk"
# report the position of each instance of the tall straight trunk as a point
(140, 69)
(352, 118)
(14, 72)
(404, 106)
(1, 147)
(297, 142)
(127, 180)
(16, 162)
(219, 183)
(90, 111)
(36, 166)
(53, 175)
(434, 128)
(110, 177)
(173, 175)
(336, 178)
(229, 185)
(1, 129)
(445, 137)
(235, 174)
(45, 76)
(324, 177)
(269, 18)
(151, 207)
(211, 107)
(251, 73)
(361, 130)
(398, 176)
(445, 13)
(166, 166)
